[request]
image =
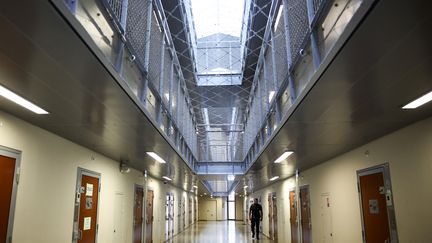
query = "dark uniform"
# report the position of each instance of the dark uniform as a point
(256, 212)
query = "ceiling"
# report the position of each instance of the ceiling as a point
(386, 63)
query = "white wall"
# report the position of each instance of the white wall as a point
(409, 154)
(45, 198)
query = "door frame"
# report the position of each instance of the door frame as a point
(80, 172)
(142, 214)
(15, 154)
(391, 215)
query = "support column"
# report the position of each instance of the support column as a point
(149, 8)
(314, 38)
(122, 38)
(161, 81)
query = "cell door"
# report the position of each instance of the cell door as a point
(86, 207)
(9, 167)
(326, 218)
(293, 217)
(172, 215)
(379, 223)
(275, 216)
(270, 215)
(190, 211)
(149, 216)
(138, 214)
(305, 215)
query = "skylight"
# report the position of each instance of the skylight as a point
(217, 16)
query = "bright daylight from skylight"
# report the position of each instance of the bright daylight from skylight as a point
(217, 16)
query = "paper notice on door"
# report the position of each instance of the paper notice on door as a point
(89, 190)
(87, 223)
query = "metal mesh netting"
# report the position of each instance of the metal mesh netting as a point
(281, 60)
(116, 7)
(298, 26)
(156, 38)
(165, 93)
(136, 26)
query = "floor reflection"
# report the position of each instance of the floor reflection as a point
(217, 231)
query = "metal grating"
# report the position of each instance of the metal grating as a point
(116, 8)
(156, 38)
(136, 27)
(298, 26)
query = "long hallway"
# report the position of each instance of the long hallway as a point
(226, 231)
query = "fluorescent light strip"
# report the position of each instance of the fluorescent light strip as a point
(21, 101)
(245, 187)
(167, 178)
(156, 157)
(283, 156)
(271, 94)
(195, 187)
(419, 102)
(230, 177)
(274, 178)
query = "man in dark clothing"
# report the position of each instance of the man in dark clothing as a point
(255, 216)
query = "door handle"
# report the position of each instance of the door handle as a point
(80, 234)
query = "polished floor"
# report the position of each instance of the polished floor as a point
(218, 231)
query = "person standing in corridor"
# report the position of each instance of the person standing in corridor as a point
(255, 216)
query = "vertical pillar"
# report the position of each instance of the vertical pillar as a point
(314, 39)
(298, 207)
(149, 8)
(122, 39)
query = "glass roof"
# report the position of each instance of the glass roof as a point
(217, 16)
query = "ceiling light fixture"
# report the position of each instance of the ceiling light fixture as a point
(285, 155)
(419, 101)
(245, 187)
(274, 178)
(271, 94)
(195, 186)
(167, 178)
(230, 177)
(21, 101)
(156, 157)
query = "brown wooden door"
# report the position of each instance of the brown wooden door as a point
(7, 172)
(305, 215)
(375, 219)
(149, 216)
(88, 209)
(138, 215)
(293, 218)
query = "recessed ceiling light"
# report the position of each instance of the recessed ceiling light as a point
(21, 101)
(156, 157)
(274, 178)
(419, 101)
(166, 178)
(285, 155)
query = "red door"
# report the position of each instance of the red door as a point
(138, 212)
(88, 209)
(374, 208)
(270, 216)
(7, 172)
(149, 214)
(293, 218)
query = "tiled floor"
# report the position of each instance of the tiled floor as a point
(218, 231)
